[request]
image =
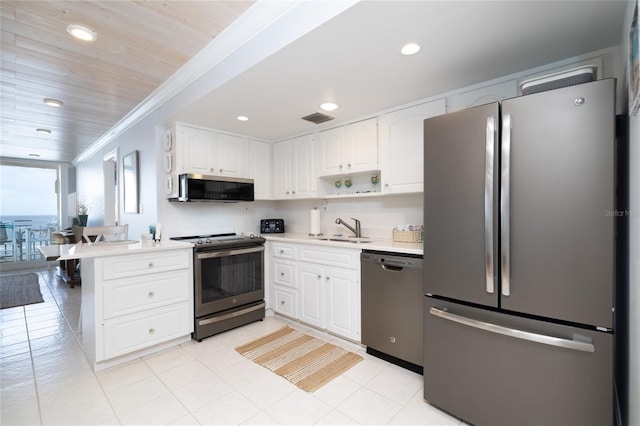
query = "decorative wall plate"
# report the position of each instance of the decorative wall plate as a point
(168, 162)
(167, 140)
(169, 185)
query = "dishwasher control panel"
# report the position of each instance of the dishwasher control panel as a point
(393, 259)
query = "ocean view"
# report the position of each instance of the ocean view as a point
(31, 220)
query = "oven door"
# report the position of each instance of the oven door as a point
(226, 279)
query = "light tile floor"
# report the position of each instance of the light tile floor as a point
(46, 379)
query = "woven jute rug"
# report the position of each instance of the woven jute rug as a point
(305, 361)
(19, 290)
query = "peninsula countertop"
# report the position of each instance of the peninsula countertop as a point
(373, 243)
(92, 250)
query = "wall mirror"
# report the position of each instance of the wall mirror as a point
(130, 182)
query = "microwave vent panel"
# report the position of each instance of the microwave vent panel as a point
(559, 80)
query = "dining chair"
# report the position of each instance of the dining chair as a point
(40, 236)
(94, 234)
(8, 241)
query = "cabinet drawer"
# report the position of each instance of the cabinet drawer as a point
(285, 302)
(133, 265)
(284, 274)
(129, 333)
(344, 258)
(135, 294)
(284, 251)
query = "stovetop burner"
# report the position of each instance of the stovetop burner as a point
(222, 241)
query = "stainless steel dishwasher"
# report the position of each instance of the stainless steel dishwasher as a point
(392, 307)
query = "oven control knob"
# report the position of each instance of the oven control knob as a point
(199, 242)
(208, 241)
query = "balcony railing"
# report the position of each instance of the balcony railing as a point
(20, 238)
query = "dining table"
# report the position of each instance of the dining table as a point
(67, 266)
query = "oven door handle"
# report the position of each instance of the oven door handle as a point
(226, 253)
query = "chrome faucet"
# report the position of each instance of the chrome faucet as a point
(357, 231)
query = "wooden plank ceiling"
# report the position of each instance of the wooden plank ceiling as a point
(140, 44)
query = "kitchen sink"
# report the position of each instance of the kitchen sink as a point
(352, 240)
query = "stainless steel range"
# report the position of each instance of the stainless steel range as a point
(228, 281)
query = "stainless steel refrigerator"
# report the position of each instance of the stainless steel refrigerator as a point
(519, 259)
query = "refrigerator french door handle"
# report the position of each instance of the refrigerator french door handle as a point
(504, 205)
(490, 141)
(518, 334)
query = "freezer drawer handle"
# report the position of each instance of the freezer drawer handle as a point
(518, 334)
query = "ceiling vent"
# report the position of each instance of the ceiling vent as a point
(318, 117)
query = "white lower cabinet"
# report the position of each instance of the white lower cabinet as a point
(311, 280)
(135, 304)
(317, 285)
(126, 334)
(342, 294)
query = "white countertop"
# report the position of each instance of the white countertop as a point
(380, 244)
(85, 250)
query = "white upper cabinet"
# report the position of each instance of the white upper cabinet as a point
(209, 152)
(294, 171)
(259, 168)
(198, 148)
(231, 152)
(349, 149)
(401, 136)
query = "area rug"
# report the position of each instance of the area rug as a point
(19, 290)
(305, 361)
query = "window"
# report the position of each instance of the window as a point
(29, 210)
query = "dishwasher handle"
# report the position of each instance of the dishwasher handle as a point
(392, 268)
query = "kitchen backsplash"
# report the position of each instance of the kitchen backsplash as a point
(378, 215)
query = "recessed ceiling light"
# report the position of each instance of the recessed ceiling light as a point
(82, 32)
(53, 102)
(45, 131)
(34, 155)
(410, 49)
(243, 118)
(329, 106)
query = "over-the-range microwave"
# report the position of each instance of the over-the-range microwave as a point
(196, 188)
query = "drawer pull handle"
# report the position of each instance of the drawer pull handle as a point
(282, 274)
(150, 264)
(282, 302)
(151, 294)
(319, 276)
(152, 330)
(281, 251)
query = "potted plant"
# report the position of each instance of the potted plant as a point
(83, 209)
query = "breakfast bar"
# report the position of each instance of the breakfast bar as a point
(137, 297)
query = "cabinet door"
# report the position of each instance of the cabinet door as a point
(361, 153)
(231, 153)
(342, 292)
(402, 140)
(282, 170)
(303, 176)
(330, 146)
(311, 285)
(198, 150)
(259, 168)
